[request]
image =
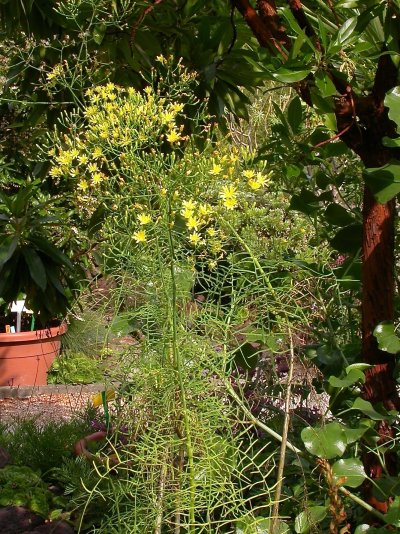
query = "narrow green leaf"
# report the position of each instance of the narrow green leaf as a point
(36, 267)
(285, 75)
(324, 83)
(7, 249)
(295, 114)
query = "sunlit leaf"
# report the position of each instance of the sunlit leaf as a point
(387, 339)
(350, 468)
(328, 441)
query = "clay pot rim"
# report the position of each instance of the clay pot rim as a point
(33, 335)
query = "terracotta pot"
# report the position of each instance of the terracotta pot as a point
(26, 357)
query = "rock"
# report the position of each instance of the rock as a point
(55, 527)
(16, 520)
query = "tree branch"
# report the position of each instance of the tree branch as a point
(269, 15)
(260, 29)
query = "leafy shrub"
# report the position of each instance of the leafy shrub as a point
(75, 368)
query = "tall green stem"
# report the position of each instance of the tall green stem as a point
(177, 362)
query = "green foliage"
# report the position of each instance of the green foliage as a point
(75, 368)
(21, 486)
(42, 447)
(30, 262)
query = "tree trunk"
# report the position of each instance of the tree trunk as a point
(377, 298)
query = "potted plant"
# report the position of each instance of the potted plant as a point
(32, 267)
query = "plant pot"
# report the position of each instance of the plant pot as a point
(26, 357)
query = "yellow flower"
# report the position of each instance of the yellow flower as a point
(97, 178)
(140, 236)
(173, 137)
(228, 192)
(193, 223)
(143, 218)
(92, 168)
(82, 184)
(249, 173)
(216, 169)
(254, 184)
(189, 204)
(195, 238)
(97, 152)
(55, 171)
(83, 159)
(211, 232)
(204, 209)
(262, 179)
(230, 203)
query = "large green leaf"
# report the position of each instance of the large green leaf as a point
(338, 215)
(384, 182)
(35, 266)
(328, 441)
(367, 409)
(7, 249)
(348, 239)
(306, 202)
(393, 514)
(352, 469)
(387, 339)
(392, 101)
(308, 519)
(352, 377)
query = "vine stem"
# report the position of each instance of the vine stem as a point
(177, 362)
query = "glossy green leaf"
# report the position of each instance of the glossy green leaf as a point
(348, 239)
(351, 378)
(346, 32)
(393, 514)
(384, 182)
(328, 441)
(352, 469)
(324, 83)
(306, 520)
(387, 339)
(285, 75)
(354, 434)
(366, 408)
(338, 215)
